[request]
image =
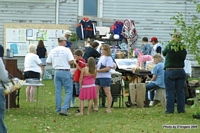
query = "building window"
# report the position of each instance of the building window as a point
(90, 7)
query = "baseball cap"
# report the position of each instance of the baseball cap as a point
(68, 32)
(62, 38)
(153, 39)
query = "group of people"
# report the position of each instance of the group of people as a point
(168, 73)
(90, 75)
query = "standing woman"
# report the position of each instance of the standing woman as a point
(32, 65)
(3, 78)
(103, 78)
(42, 52)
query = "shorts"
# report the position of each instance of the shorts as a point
(103, 82)
(31, 74)
(43, 61)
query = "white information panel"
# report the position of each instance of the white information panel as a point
(20, 39)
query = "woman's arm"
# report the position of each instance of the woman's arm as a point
(153, 78)
(104, 69)
(46, 54)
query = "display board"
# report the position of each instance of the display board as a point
(19, 38)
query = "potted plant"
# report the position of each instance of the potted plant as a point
(73, 37)
(74, 40)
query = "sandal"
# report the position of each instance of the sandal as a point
(79, 114)
(106, 111)
(95, 110)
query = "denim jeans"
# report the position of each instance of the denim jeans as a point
(150, 87)
(152, 93)
(174, 82)
(63, 79)
(77, 88)
(3, 128)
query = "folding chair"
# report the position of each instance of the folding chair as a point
(116, 92)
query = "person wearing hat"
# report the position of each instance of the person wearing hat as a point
(68, 33)
(157, 47)
(61, 57)
(175, 75)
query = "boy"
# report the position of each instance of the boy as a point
(146, 48)
(80, 63)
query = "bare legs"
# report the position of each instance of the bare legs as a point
(108, 94)
(30, 92)
(82, 106)
(89, 106)
(42, 75)
(96, 99)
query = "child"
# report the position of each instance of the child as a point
(87, 86)
(146, 48)
(80, 63)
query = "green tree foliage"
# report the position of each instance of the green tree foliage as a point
(190, 34)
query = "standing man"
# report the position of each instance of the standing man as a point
(175, 75)
(61, 58)
(157, 48)
(68, 33)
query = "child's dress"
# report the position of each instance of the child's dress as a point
(88, 88)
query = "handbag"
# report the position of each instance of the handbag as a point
(12, 85)
(102, 66)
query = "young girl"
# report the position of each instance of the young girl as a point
(87, 86)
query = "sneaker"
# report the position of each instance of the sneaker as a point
(165, 112)
(72, 105)
(64, 112)
(151, 103)
(77, 111)
(155, 102)
(40, 79)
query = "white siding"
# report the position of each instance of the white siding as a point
(152, 17)
(25, 12)
(22, 12)
(68, 11)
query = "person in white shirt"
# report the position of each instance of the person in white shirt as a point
(61, 57)
(157, 47)
(32, 65)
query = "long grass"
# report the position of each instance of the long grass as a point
(122, 120)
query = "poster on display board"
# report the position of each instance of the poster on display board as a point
(20, 39)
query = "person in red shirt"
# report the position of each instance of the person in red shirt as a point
(80, 63)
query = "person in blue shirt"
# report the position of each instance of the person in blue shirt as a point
(157, 80)
(146, 47)
(68, 33)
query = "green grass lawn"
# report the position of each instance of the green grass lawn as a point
(122, 120)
